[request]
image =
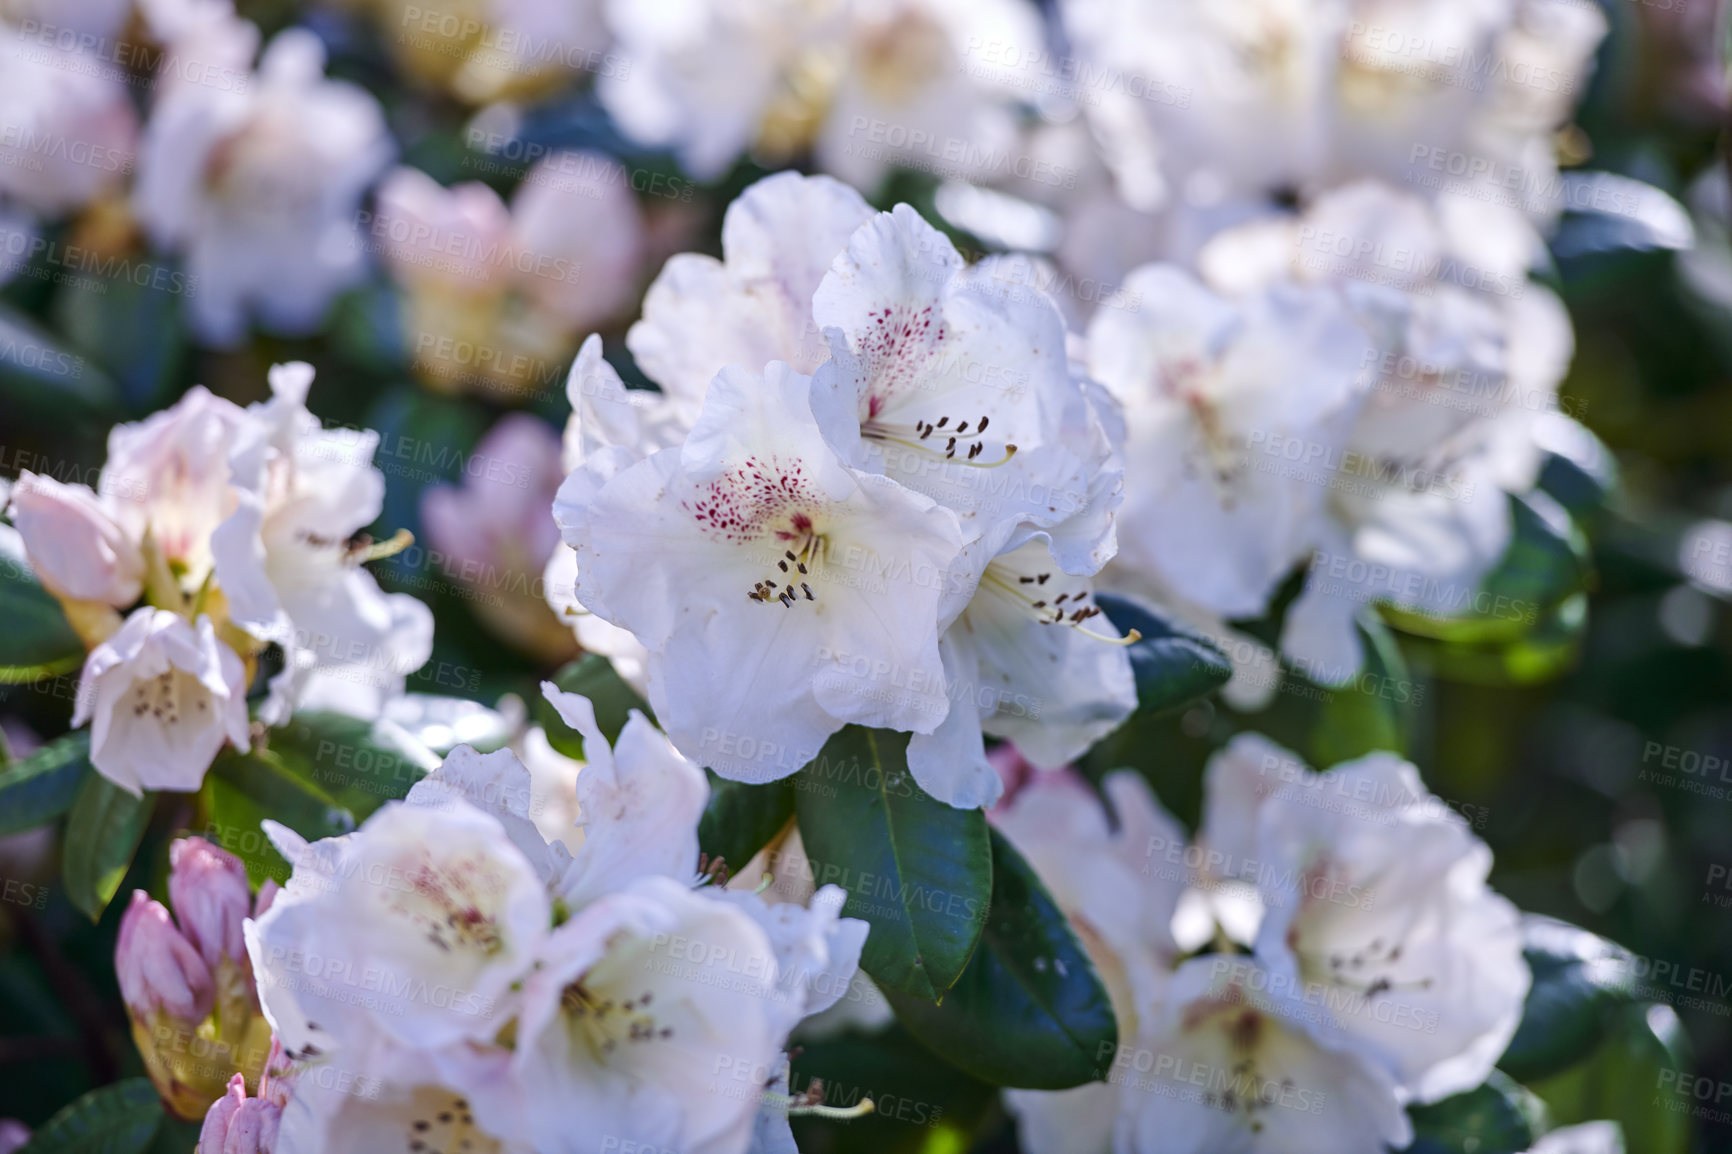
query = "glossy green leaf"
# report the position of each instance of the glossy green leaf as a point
(741, 819)
(1372, 711)
(592, 676)
(1029, 1011)
(1498, 1117)
(920, 1105)
(358, 764)
(37, 789)
(37, 640)
(1642, 1078)
(1580, 982)
(242, 789)
(102, 834)
(132, 328)
(917, 870)
(1173, 666)
(120, 1118)
(43, 381)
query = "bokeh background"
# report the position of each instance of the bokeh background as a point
(1597, 763)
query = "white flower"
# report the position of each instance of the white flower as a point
(779, 239)
(1029, 660)
(1111, 878)
(258, 185)
(377, 1097)
(633, 1022)
(416, 926)
(639, 804)
(67, 129)
(1377, 904)
(865, 85)
(75, 546)
(1229, 406)
(167, 479)
(1266, 1080)
(163, 696)
(955, 382)
(768, 579)
(562, 258)
(286, 557)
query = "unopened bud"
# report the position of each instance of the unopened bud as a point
(237, 1124)
(159, 970)
(208, 887)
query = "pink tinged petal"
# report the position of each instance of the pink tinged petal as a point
(74, 545)
(158, 969)
(214, 1134)
(211, 897)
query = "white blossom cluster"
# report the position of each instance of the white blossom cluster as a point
(448, 975)
(213, 532)
(1324, 952)
(873, 491)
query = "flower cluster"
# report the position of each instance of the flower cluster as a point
(446, 974)
(1323, 953)
(873, 491)
(239, 529)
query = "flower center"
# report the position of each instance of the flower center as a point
(1049, 604)
(941, 439)
(602, 1024)
(440, 1123)
(804, 552)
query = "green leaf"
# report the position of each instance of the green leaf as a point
(358, 764)
(102, 834)
(121, 1118)
(37, 640)
(741, 819)
(44, 382)
(37, 789)
(1374, 710)
(1499, 1117)
(1640, 1077)
(1173, 666)
(133, 330)
(917, 870)
(1580, 982)
(1029, 1011)
(242, 789)
(593, 676)
(920, 1104)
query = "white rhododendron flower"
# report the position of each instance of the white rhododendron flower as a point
(288, 557)
(1031, 660)
(495, 293)
(162, 696)
(754, 306)
(865, 86)
(258, 185)
(1234, 1063)
(489, 986)
(68, 134)
(1227, 406)
(1383, 907)
(766, 577)
(75, 545)
(1242, 104)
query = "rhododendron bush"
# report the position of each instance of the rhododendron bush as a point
(1134, 576)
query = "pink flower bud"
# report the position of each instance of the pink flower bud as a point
(75, 547)
(159, 970)
(208, 887)
(13, 1135)
(268, 892)
(237, 1124)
